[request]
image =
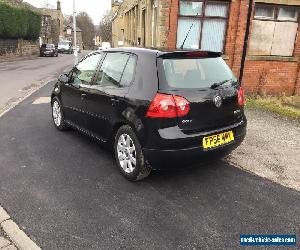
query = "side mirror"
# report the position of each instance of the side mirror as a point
(63, 78)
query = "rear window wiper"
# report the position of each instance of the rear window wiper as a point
(217, 84)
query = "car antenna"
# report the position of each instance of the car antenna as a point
(187, 35)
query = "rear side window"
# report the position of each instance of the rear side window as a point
(128, 74)
(116, 70)
(195, 73)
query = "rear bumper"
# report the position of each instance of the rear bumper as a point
(181, 157)
(63, 50)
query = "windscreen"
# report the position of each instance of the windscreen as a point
(63, 43)
(50, 46)
(196, 72)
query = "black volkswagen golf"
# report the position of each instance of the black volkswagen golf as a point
(154, 108)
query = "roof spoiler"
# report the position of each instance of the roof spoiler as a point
(190, 53)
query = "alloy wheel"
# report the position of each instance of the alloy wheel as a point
(56, 111)
(126, 153)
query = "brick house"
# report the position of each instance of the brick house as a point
(259, 39)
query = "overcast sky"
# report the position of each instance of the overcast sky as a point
(95, 8)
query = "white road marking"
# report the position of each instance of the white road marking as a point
(42, 100)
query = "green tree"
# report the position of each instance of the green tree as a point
(19, 22)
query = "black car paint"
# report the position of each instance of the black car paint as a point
(44, 49)
(100, 111)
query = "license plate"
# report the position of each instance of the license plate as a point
(216, 140)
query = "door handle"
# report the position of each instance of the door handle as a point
(114, 102)
(83, 96)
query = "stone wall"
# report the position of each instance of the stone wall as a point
(11, 48)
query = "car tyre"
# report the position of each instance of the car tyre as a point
(57, 114)
(129, 155)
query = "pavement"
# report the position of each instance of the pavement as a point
(65, 191)
(22, 77)
(5, 243)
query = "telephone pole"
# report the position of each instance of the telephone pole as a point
(74, 35)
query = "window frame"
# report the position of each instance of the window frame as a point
(95, 72)
(115, 86)
(202, 18)
(276, 12)
(134, 71)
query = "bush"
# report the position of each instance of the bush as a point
(19, 22)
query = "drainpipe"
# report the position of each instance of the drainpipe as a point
(296, 80)
(246, 40)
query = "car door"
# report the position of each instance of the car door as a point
(105, 99)
(73, 94)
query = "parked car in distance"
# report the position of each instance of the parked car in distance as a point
(153, 108)
(78, 49)
(48, 50)
(65, 47)
(104, 46)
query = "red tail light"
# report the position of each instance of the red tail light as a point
(168, 106)
(241, 97)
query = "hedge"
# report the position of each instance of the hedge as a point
(19, 22)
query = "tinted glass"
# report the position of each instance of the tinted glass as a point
(84, 71)
(112, 69)
(196, 72)
(129, 71)
(64, 43)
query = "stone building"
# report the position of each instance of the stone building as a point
(259, 39)
(69, 35)
(52, 24)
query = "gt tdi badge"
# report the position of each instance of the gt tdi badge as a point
(218, 101)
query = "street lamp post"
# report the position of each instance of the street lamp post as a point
(74, 32)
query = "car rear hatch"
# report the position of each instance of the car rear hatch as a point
(207, 83)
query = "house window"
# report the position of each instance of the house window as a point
(202, 25)
(274, 30)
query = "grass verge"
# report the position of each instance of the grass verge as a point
(284, 106)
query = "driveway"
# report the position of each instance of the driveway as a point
(271, 148)
(66, 192)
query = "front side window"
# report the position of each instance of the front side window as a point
(112, 69)
(202, 25)
(84, 71)
(274, 30)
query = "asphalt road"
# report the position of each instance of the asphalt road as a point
(66, 192)
(17, 77)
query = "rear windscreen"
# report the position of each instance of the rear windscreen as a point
(196, 72)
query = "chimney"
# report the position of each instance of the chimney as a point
(58, 5)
